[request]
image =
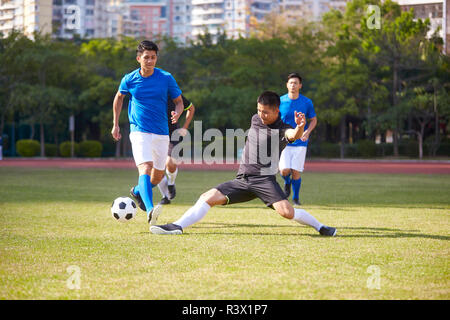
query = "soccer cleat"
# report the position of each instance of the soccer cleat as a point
(328, 231)
(287, 189)
(296, 202)
(164, 200)
(138, 199)
(166, 229)
(154, 214)
(172, 191)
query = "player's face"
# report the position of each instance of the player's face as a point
(147, 59)
(294, 85)
(267, 114)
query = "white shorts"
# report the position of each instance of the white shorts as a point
(293, 158)
(149, 147)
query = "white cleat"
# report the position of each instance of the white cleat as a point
(154, 214)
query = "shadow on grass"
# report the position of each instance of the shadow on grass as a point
(368, 232)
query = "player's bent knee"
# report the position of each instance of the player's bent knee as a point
(213, 197)
(284, 209)
(285, 172)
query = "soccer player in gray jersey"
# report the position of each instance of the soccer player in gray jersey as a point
(267, 137)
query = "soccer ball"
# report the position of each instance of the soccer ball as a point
(123, 209)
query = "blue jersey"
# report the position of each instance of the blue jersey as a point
(287, 108)
(147, 109)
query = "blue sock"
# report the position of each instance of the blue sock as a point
(136, 190)
(296, 188)
(144, 188)
(287, 179)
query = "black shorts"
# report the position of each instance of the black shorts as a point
(245, 188)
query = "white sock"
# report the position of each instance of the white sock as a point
(303, 217)
(171, 176)
(162, 186)
(194, 214)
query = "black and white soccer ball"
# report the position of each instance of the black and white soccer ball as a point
(123, 209)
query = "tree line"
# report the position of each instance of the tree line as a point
(363, 80)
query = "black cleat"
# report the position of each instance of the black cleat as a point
(172, 191)
(164, 200)
(287, 189)
(154, 214)
(166, 229)
(138, 199)
(296, 202)
(328, 231)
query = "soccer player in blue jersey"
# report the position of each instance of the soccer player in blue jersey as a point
(149, 89)
(292, 159)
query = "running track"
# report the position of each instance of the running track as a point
(350, 166)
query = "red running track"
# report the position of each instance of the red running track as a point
(350, 166)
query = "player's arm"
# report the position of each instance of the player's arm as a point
(297, 133)
(117, 108)
(307, 132)
(179, 107)
(189, 116)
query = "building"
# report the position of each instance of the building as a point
(27, 16)
(86, 18)
(311, 10)
(179, 20)
(437, 11)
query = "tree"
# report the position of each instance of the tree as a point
(396, 50)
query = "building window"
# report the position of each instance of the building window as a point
(90, 2)
(163, 12)
(89, 12)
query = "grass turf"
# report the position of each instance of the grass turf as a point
(51, 219)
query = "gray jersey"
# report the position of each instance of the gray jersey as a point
(263, 147)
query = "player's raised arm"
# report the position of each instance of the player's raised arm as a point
(295, 134)
(179, 107)
(117, 108)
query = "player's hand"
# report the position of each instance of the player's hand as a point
(115, 132)
(300, 119)
(305, 136)
(175, 116)
(183, 132)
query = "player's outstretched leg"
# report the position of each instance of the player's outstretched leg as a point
(285, 209)
(192, 215)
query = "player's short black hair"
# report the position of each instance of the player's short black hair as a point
(294, 75)
(269, 98)
(146, 45)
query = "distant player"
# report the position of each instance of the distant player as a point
(167, 184)
(149, 88)
(256, 175)
(292, 160)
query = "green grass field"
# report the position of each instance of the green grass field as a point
(51, 219)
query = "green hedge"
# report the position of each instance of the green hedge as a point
(65, 149)
(91, 149)
(367, 148)
(51, 150)
(28, 148)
